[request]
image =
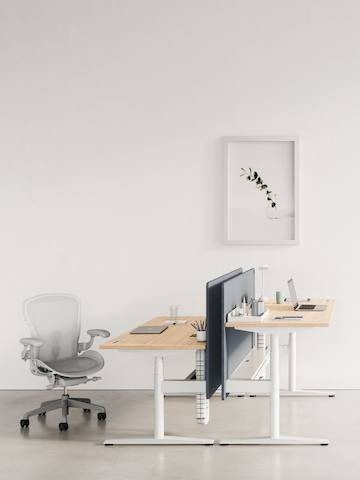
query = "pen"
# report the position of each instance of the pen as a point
(287, 316)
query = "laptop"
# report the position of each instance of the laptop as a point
(150, 329)
(302, 306)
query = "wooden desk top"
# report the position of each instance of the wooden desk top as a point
(175, 337)
(310, 318)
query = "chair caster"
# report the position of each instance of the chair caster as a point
(24, 423)
(86, 410)
(101, 416)
(63, 426)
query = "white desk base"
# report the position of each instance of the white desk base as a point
(165, 440)
(274, 438)
(159, 437)
(281, 440)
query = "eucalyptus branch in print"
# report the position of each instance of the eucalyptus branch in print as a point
(253, 176)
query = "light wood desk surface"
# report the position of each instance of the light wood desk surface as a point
(175, 337)
(310, 318)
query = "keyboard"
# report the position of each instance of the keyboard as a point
(306, 307)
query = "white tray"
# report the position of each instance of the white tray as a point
(246, 318)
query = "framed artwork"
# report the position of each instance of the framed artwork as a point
(262, 190)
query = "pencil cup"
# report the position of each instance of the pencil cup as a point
(255, 308)
(261, 307)
(201, 335)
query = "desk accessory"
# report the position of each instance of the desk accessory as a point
(175, 322)
(245, 307)
(174, 310)
(257, 307)
(200, 328)
(146, 329)
(302, 306)
(263, 269)
(232, 316)
(279, 298)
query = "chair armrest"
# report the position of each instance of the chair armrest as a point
(32, 342)
(95, 332)
(31, 348)
(98, 332)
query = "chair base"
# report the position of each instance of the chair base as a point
(64, 404)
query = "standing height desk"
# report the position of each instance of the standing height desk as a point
(176, 338)
(268, 325)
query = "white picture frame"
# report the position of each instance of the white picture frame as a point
(252, 216)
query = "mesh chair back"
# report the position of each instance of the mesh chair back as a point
(54, 319)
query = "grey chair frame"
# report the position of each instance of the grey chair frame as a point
(30, 353)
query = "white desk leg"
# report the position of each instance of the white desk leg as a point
(292, 361)
(275, 388)
(275, 438)
(159, 407)
(292, 390)
(159, 437)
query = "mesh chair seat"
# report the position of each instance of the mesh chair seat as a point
(86, 364)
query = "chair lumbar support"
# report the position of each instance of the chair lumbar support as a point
(64, 404)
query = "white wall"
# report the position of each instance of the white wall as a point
(111, 180)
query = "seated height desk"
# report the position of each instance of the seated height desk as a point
(274, 327)
(176, 338)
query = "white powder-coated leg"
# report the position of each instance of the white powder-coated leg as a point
(275, 388)
(202, 403)
(292, 361)
(159, 398)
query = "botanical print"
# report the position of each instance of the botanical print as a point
(261, 190)
(253, 176)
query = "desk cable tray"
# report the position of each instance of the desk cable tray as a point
(233, 316)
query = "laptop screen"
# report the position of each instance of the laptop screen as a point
(292, 291)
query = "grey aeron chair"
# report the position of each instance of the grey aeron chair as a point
(54, 351)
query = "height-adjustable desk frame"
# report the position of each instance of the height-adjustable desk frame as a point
(230, 348)
(274, 328)
(173, 340)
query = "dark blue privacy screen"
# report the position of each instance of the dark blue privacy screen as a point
(236, 344)
(214, 332)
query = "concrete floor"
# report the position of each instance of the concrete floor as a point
(43, 452)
